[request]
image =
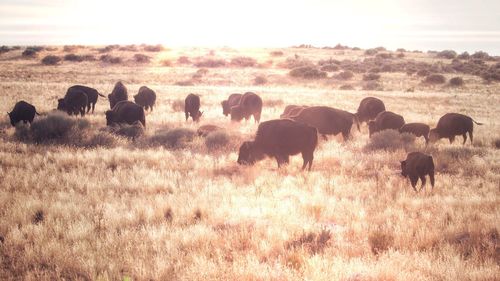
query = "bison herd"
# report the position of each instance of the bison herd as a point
(296, 131)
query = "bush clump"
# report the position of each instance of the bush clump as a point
(389, 140)
(447, 54)
(73, 57)
(243, 62)
(344, 75)
(380, 241)
(29, 53)
(174, 138)
(129, 48)
(5, 49)
(347, 87)
(372, 86)
(217, 140)
(371, 52)
(260, 80)
(435, 79)
(423, 72)
(307, 72)
(456, 82)
(153, 48)
(276, 53)
(51, 60)
(371, 76)
(212, 63)
(463, 56)
(110, 59)
(330, 68)
(183, 60)
(480, 55)
(294, 62)
(130, 131)
(140, 58)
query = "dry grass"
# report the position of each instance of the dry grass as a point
(91, 204)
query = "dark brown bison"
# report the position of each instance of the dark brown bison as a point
(204, 130)
(385, 120)
(292, 110)
(250, 104)
(118, 94)
(451, 125)
(74, 102)
(418, 165)
(279, 139)
(125, 112)
(418, 129)
(145, 98)
(192, 107)
(368, 109)
(92, 95)
(232, 100)
(328, 120)
(22, 111)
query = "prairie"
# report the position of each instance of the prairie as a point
(99, 206)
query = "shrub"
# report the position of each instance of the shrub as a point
(110, 59)
(73, 57)
(174, 138)
(178, 106)
(153, 48)
(103, 139)
(371, 76)
(132, 131)
(5, 49)
(435, 79)
(211, 63)
(29, 53)
(497, 143)
(260, 80)
(107, 49)
(71, 48)
(57, 126)
(330, 67)
(400, 55)
(401, 50)
(51, 60)
(447, 54)
(480, 55)
(384, 56)
(456, 81)
(294, 62)
(371, 52)
(88, 57)
(347, 87)
(344, 75)
(389, 140)
(463, 56)
(189, 82)
(216, 140)
(311, 242)
(140, 58)
(129, 48)
(166, 63)
(423, 72)
(372, 86)
(276, 53)
(380, 241)
(243, 62)
(183, 60)
(307, 72)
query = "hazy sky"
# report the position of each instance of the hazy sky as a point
(411, 24)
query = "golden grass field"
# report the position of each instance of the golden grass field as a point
(125, 209)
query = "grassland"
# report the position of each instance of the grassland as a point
(114, 209)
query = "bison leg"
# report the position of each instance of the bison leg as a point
(470, 136)
(422, 178)
(431, 177)
(256, 117)
(308, 158)
(93, 107)
(89, 105)
(413, 181)
(346, 136)
(187, 115)
(465, 137)
(452, 139)
(82, 111)
(325, 137)
(426, 140)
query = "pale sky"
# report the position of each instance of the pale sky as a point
(461, 25)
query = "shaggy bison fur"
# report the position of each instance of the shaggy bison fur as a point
(118, 94)
(145, 98)
(368, 109)
(418, 129)
(250, 104)
(192, 107)
(451, 125)
(92, 95)
(385, 120)
(232, 100)
(279, 139)
(418, 165)
(125, 112)
(22, 111)
(74, 102)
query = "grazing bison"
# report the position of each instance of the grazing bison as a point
(279, 139)
(368, 109)
(118, 94)
(328, 120)
(22, 111)
(74, 102)
(385, 120)
(204, 130)
(192, 107)
(418, 165)
(418, 129)
(292, 110)
(125, 112)
(250, 104)
(145, 98)
(92, 95)
(451, 125)
(232, 100)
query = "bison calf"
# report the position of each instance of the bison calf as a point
(22, 111)
(125, 112)
(451, 125)
(192, 107)
(418, 165)
(280, 139)
(418, 129)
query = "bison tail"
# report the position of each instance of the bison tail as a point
(37, 113)
(476, 122)
(101, 95)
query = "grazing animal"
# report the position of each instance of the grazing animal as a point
(385, 120)
(418, 129)
(418, 165)
(296, 110)
(22, 111)
(368, 109)
(118, 94)
(451, 125)
(204, 130)
(292, 110)
(92, 95)
(145, 98)
(250, 104)
(280, 138)
(232, 100)
(328, 120)
(192, 107)
(125, 112)
(74, 102)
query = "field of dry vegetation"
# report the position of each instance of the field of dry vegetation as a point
(79, 201)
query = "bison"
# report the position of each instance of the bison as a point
(418, 165)
(250, 104)
(328, 120)
(74, 102)
(279, 139)
(118, 94)
(92, 95)
(125, 112)
(232, 100)
(192, 107)
(145, 98)
(385, 120)
(292, 110)
(368, 109)
(451, 125)
(418, 129)
(22, 111)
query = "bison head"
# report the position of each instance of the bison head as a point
(197, 116)
(434, 135)
(245, 156)
(225, 108)
(110, 117)
(61, 105)
(372, 128)
(403, 168)
(236, 113)
(13, 121)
